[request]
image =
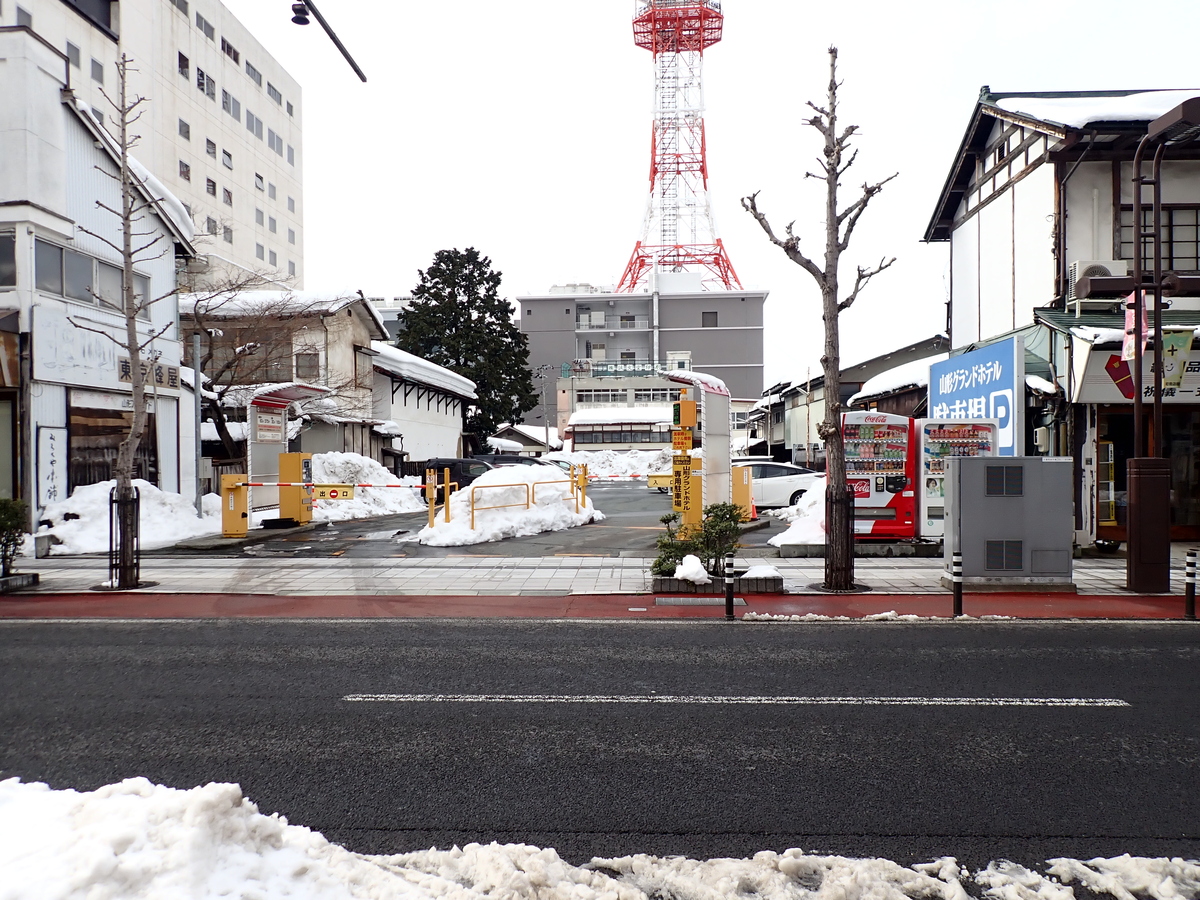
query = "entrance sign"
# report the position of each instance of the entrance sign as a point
(988, 383)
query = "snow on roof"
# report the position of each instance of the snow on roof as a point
(1041, 385)
(245, 394)
(1078, 111)
(765, 402)
(1099, 335)
(710, 383)
(501, 445)
(536, 433)
(245, 303)
(909, 375)
(621, 415)
(165, 201)
(412, 368)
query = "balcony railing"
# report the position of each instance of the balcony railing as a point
(617, 368)
(614, 323)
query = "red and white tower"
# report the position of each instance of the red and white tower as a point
(678, 234)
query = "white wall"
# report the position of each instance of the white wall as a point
(428, 431)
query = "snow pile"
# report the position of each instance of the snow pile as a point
(691, 569)
(890, 616)
(618, 463)
(136, 840)
(552, 508)
(353, 468)
(81, 521)
(807, 518)
(763, 571)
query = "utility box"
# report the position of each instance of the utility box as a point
(743, 489)
(1012, 520)
(295, 503)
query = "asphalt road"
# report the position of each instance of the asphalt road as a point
(631, 523)
(262, 703)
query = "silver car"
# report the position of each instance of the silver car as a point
(778, 484)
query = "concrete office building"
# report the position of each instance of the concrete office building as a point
(221, 127)
(610, 349)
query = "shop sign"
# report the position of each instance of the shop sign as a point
(52, 464)
(268, 427)
(153, 374)
(681, 482)
(988, 383)
(1109, 379)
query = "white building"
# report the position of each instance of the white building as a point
(65, 396)
(425, 402)
(222, 122)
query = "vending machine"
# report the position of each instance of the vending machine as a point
(939, 440)
(881, 470)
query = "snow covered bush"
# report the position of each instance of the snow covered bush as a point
(717, 536)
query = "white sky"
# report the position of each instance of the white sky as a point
(523, 128)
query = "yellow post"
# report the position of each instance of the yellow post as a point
(431, 493)
(295, 503)
(235, 506)
(583, 485)
(446, 496)
(742, 489)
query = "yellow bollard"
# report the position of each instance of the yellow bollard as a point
(431, 494)
(583, 485)
(235, 506)
(446, 496)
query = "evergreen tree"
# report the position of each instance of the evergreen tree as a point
(459, 320)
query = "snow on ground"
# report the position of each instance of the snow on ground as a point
(762, 571)
(617, 463)
(890, 616)
(807, 518)
(81, 521)
(352, 468)
(691, 569)
(136, 840)
(552, 507)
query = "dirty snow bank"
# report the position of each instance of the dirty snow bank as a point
(807, 518)
(353, 468)
(507, 488)
(81, 521)
(136, 840)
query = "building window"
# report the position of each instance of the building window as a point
(206, 26)
(205, 84)
(271, 224)
(73, 54)
(291, 204)
(210, 187)
(185, 171)
(272, 259)
(273, 93)
(24, 19)
(291, 155)
(97, 115)
(228, 235)
(228, 50)
(210, 225)
(230, 104)
(184, 66)
(227, 196)
(275, 142)
(308, 365)
(254, 124)
(227, 159)
(291, 268)
(47, 268)
(289, 108)
(8, 260)
(271, 190)
(181, 5)
(255, 75)
(210, 147)
(708, 320)
(79, 277)
(259, 182)
(291, 235)
(260, 251)
(1180, 237)
(655, 395)
(97, 71)
(258, 216)
(185, 130)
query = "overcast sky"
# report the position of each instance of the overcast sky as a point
(523, 129)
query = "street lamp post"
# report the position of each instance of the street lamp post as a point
(1148, 472)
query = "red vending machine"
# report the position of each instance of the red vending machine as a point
(881, 469)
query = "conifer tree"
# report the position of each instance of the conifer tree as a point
(459, 320)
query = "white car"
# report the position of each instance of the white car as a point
(778, 484)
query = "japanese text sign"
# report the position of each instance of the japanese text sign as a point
(988, 383)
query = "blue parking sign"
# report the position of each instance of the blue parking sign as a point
(988, 383)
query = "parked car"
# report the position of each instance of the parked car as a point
(501, 459)
(462, 471)
(778, 484)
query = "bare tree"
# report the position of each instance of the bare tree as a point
(839, 226)
(138, 243)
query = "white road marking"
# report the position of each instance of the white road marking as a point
(738, 701)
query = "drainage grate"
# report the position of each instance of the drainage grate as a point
(696, 601)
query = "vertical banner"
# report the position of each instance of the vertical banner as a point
(988, 383)
(1129, 346)
(1177, 350)
(51, 464)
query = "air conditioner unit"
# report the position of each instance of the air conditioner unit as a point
(1093, 268)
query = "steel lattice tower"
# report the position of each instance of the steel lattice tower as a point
(678, 234)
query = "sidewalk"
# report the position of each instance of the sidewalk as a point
(593, 587)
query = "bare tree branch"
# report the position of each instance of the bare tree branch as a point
(861, 279)
(790, 246)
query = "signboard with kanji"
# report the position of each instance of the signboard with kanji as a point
(333, 492)
(681, 482)
(681, 439)
(988, 383)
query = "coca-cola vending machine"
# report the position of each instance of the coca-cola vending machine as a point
(881, 469)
